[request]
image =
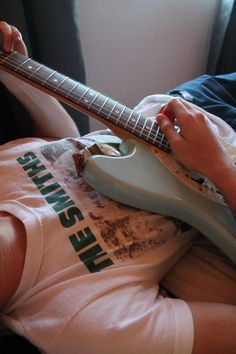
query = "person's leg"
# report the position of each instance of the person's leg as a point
(214, 93)
(214, 328)
(203, 274)
(12, 255)
(206, 280)
(29, 112)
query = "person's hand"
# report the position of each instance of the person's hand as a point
(195, 145)
(12, 39)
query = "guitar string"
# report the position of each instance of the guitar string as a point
(97, 94)
(153, 136)
(142, 127)
(155, 139)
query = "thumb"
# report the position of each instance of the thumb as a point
(170, 133)
(167, 127)
(20, 46)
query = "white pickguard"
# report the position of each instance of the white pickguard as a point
(139, 179)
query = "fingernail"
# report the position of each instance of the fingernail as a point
(18, 39)
(162, 109)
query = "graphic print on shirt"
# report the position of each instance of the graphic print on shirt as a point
(114, 233)
(127, 232)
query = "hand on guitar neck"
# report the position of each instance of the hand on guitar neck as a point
(12, 39)
(36, 102)
(197, 148)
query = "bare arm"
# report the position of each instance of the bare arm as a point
(197, 148)
(50, 118)
(12, 255)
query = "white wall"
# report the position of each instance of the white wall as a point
(133, 48)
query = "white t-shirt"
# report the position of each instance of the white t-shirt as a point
(92, 267)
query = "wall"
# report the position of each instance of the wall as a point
(133, 48)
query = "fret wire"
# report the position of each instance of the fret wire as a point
(6, 57)
(22, 64)
(143, 128)
(120, 115)
(81, 92)
(127, 124)
(109, 115)
(166, 145)
(150, 131)
(157, 131)
(101, 108)
(140, 133)
(94, 100)
(125, 120)
(130, 115)
(81, 97)
(136, 123)
(147, 136)
(35, 71)
(118, 111)
(96, 96)
(78, 97)
(150, 127)
(161, 142)
(61, 83)
(48, 78)
(71, 90)
(104, 103)
(155, 139)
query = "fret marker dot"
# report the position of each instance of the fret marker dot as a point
(85, 100)
(147, 127)
(133, 120)
(55, 80)
(30, 67)
(117, 111)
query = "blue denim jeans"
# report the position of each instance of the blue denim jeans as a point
(215, 93)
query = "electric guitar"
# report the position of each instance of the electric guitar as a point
(146, 176)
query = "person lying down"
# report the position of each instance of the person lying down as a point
(81, 273)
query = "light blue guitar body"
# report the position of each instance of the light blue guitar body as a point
(140, 180)
(137, 179)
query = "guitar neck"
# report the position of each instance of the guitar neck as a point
(85, 99)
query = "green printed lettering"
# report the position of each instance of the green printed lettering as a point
(91, 255)
(60, 199)
(82, 239)
(35, 167)
(69, 217)
(27, 157)
(49, 189)
(39, 181)
(57, 198)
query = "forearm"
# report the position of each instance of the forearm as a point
(225, 181)
(12, 255)
(50, 118)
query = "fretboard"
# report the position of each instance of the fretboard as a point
(84, 98)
